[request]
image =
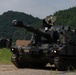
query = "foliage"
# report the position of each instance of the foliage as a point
(6, 28)
(66, 17)
(5, 56)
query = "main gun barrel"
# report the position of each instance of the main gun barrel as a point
(20, 24)
(29, 28)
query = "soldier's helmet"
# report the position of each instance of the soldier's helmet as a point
(50, 19)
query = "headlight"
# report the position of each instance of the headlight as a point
(55, 51)
(12, 49)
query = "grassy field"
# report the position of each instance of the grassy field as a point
(5, 56)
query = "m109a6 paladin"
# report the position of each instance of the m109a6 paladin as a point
(55, 45)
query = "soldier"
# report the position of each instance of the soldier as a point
(62, 37)
(48, 26)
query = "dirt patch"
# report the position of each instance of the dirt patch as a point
(12, 70)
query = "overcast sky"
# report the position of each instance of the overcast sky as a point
(37, 8)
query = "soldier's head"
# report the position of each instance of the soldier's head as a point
(49, 21)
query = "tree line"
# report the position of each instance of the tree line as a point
(64, 17)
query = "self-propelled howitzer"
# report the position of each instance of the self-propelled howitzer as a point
(38, 53)
(55, 46)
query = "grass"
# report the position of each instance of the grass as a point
(5, 56)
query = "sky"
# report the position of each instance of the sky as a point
(37, 8)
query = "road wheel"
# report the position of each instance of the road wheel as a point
(60, 64)
(16, 61)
